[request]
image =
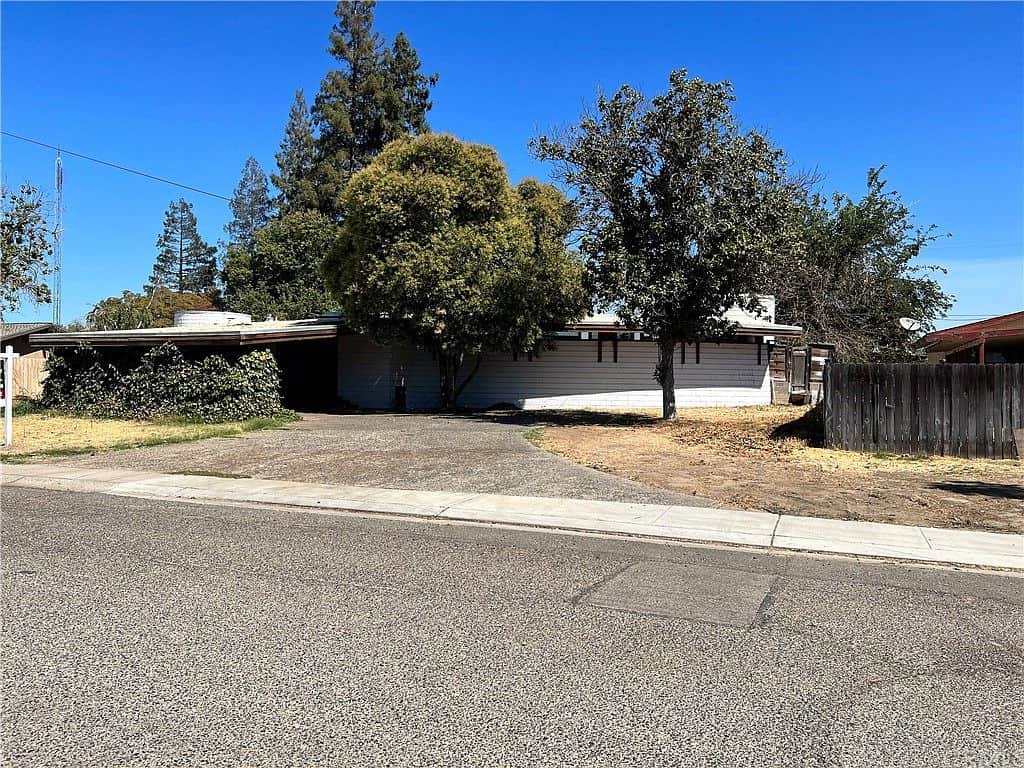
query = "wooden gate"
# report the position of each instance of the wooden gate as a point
(969, 411)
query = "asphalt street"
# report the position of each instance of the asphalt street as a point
(143, 633)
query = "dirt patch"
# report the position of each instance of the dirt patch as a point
(764, 459)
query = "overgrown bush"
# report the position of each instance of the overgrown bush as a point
(163, 384)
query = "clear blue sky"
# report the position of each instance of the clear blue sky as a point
(189, 90)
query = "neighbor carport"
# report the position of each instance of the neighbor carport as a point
(306, 350)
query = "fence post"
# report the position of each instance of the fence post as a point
(824, 405)
(7, 395)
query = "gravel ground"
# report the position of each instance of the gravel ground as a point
(143, 633)
(486, 453)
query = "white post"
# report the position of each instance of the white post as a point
(8, 393)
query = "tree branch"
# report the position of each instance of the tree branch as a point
(469, 377)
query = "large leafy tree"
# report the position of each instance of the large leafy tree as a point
(374, 96)
(437, 250)
(26, 244)
(681, 210)
(280, 275)
(134, 310)
(185, 263)
(856, 272)
(250, 205)
(296, 161)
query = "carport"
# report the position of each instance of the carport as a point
(306, 350)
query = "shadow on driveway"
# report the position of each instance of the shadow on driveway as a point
(548, 418)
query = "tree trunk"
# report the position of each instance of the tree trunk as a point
(448, 366)
(667, 377)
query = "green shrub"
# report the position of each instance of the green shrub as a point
(23, 406)
(163, 383)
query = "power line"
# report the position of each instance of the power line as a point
(115, 165)
(972, 246)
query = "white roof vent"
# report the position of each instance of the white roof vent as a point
(201, 317)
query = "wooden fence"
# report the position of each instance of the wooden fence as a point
(29, 372)
(969, 411)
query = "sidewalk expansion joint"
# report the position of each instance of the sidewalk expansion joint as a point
(775, 528)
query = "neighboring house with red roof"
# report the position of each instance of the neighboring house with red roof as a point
(996, 340)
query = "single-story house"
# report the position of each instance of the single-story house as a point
(996, 340)
(596, 363)
(29, 369)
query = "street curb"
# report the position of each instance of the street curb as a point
(763, 530)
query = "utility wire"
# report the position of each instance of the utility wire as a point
(115, 165)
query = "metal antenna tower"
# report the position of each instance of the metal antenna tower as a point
(58, 235)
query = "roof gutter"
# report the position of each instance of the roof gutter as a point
(229, 337)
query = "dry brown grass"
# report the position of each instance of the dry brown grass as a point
(736, 456)
(41, 434)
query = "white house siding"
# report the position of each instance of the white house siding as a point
(567, 377)
(365, 375)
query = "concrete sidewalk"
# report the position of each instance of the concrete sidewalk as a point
(702, 524)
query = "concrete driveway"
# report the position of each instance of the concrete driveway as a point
(485, 452)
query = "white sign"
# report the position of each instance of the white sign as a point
(7, 359)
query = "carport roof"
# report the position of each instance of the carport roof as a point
(269, 332)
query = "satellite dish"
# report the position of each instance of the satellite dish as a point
(910, 324)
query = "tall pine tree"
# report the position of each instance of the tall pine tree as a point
(407, 97)
(296, 161)
(375, 96)
(250, 205)
(185, 263)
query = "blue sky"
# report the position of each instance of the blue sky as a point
(189, 90)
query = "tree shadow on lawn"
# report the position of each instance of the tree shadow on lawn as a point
(979, 488)
(808, 427)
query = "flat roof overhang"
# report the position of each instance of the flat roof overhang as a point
(229, 336)
(791, 331)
